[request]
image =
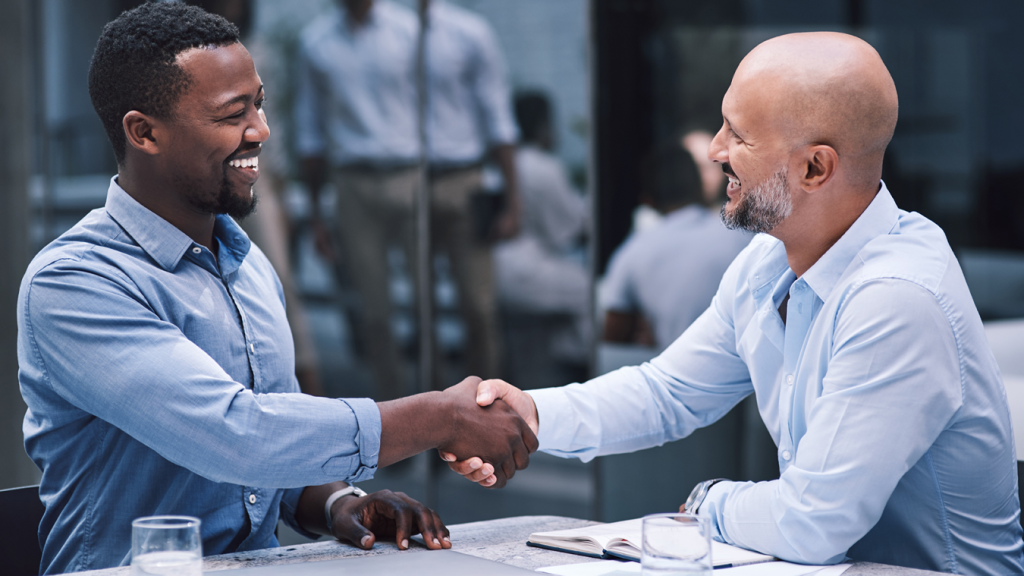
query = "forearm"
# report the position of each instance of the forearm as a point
(412, 425)
(505, 157)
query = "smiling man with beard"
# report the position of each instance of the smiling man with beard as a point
(850, 321)
(154, 352)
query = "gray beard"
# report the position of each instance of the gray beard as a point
(763, 207)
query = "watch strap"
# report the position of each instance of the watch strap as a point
(334, 498)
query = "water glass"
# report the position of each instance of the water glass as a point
(676, 544)
(166, 546)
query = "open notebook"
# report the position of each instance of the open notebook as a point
(622, 540)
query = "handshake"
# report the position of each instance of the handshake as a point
(485, 430)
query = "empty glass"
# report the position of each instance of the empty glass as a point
(166, 546)
(676, 544)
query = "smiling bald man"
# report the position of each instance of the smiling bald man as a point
(850, 321)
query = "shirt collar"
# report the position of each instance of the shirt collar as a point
(881, 217)
(164, 242)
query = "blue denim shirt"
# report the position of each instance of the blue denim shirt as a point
(160, 380)
(880, 391)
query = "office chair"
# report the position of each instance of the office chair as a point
(20, 514)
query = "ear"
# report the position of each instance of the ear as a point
(141, 131)
(817, 167)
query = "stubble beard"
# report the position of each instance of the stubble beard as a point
(763, 207)
(226, 202)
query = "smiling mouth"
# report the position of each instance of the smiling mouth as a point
(246, 163)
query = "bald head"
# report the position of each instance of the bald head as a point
(823, 88)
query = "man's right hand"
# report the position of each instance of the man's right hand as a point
(489, 434)
(476, 469)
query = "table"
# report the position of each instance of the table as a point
(502, 540)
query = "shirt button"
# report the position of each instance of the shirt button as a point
(252, 348)
(789, 379)
(196, 250)
(785, 456)
(252, 497)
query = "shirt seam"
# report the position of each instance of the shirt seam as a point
(950, 553)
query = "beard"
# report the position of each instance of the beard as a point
(763, 207)
(224, 201)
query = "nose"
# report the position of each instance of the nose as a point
(718, 152)
(258, 130)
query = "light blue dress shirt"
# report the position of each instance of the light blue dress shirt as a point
(160, 380)
(355, 99)
(468, 97)
(881, 392)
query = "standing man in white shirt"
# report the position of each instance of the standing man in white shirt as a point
(356, 115)
(851, 323)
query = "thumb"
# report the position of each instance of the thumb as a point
(490, 390)
(346, 527)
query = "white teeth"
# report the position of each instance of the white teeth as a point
(245, 163)
(734, 181)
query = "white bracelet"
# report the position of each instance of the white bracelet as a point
(334, 498)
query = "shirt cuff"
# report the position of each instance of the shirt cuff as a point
(554, 416)
(367, 439)
(713, 508)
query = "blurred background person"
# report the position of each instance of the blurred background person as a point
(356, 111)
(536, 271)
(666, 276)
(469, 122)
(268, 227)
(712, 179)
(355, 115)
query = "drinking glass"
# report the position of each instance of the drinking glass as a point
(166, 546)
(675, 544)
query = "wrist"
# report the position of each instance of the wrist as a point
(334, 499)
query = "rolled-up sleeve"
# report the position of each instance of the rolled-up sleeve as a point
(491, 89)
(101, 347)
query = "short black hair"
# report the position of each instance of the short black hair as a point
(670, 177)
(134, 65)
(533, 114)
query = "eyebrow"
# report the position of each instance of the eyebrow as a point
(237, 99)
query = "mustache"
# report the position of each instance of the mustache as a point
(728, 170)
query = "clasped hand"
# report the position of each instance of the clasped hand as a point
(491, 394)
(491, 436)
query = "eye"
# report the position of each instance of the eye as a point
(734, 135)
(259, 102)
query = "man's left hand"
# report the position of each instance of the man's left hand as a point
(386, 514)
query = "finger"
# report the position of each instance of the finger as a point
(489, 481)
(441, 530)
(682, 508)
(499, 481)
(403, 526)
(490, 390)
(425, 521)
(530, 438)
(508, 468)
(467, 466)
(520, 455)
(347, 527)
(447, 456)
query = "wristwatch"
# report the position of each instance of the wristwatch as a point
(334, 498)
(699, 493)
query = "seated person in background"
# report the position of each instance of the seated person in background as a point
(534, 270)
(666, 276)
(154, 352)
(851, 323)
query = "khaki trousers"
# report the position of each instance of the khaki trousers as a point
(376, 210)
